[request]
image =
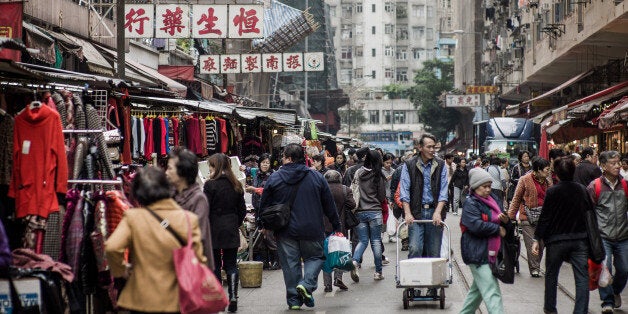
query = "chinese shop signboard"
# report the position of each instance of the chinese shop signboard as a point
(11, 27)
(256, 63)
(462, 100)
(196, 21)
(472, 89)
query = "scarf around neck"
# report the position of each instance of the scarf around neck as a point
(494, 242)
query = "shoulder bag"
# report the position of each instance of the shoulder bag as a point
(351, 220)
(199, 290)
(277, 216)
(533, 214)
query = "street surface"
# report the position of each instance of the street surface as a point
(369, 296)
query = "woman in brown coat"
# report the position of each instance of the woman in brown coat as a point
(152, 281)
(530, 193)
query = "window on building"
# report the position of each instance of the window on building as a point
(333, 31)
(345, 53)
(373, 7)
(388, 73)
(418, 10)
(346, 32)
(386, 116)
(402, 75)
(402, 53)
(373, 74)
(359, 73)
(373, 30)
(399, 116)
(418, 32)
(359, 51)
(332, 10)
(373, 54)
(389, 7)
(345, 76)
(358, 7)
(412, 117)
(388, 51)
(402, 32)
(388, 28)
(416, 53)
(430, 11)
(347, 10)
(374, 116)
(430, 34)
(358, 29)
(401, 10)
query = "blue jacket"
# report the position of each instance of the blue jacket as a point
(474, 241)
(313, 200)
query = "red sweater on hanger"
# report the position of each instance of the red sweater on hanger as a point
(40, 166)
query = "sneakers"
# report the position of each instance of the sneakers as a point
(354, 273)
(308, 299)
(341, 285)
(607, 309)
(378, 276)
(385, 260)
(617, 300)
(295, 307)
(535, 274)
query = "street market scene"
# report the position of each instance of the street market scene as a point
(325, 156)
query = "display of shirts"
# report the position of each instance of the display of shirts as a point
(40, 168)
(6, 142)
(149, 147)
(203, 135)
(162, 138)
(142, 134)
(224, 138)
(212, 136)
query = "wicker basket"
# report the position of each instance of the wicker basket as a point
(250, 274)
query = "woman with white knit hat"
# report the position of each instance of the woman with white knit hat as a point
(481, 240)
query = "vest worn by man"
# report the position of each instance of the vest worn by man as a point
(416, 185)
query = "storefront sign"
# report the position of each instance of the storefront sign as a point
(196, 21)
(11, 27)
(472, 89)
(256, 63)
(462, 100)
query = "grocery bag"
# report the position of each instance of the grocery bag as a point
(337, 254)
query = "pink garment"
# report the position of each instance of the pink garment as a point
(163, 142)
(26, 258)
(494, 242)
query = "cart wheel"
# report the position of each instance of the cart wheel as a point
(406, 302)
(442, 298)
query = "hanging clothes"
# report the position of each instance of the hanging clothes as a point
(6, 144)
(40, 168)
(163, 140)
(142, 136)
(193, 135)
(157, 139)
(203, 134)
(182, 140)
(224, 138)
(212, 136)
(175, 131)
(313, 130)
(149, 145)
(135, 137)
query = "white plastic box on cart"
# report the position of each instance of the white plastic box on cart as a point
(423, 271)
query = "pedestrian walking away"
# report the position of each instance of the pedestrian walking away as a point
(300, 242)
(587, 170)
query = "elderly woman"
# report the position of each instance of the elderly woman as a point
(481, 239)
(152, 282)
(530, 192)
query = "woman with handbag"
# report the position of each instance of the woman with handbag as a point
(528, 200)
(343, 197)
(480, 223)
(227, 210)
(562, 229)
(152, 284)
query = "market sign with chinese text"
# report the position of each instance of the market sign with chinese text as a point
(462, 100)
(256, 63)
(196, 21)
(472, 89)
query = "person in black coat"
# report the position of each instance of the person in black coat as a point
(562, 229)
(459, 181)
(225, 195)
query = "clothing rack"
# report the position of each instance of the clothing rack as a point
(82, 131)
(105, 182)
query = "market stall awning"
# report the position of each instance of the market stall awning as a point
(580, 108)
(209, 105)
(42, 45)
(70, 76)
(282, 116)
(613, 114)
(11, 43)
(11, 70)
(178, 72)
(557, 88)
(95, 60)
(571, 129)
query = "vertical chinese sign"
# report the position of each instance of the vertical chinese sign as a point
(138, 20)
(246, 21)
(209, 21)
(172, 21)
(11, 27)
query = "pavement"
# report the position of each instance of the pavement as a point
(369, 296)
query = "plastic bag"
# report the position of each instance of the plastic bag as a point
(444, 246)
(337, 254)
(391, 224)
(605, 276)
(595, 270)
(403, 232)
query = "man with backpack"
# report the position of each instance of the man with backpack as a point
(609, 193)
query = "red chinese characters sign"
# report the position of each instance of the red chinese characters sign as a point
(462, 100)
(230, 63)
(251, 63)
(272, 62)
(256, 63)
(138, 20)
(172, 21)
(293, 62)
(246, 21)
(209, 21)
(473, 89)
(11, 27)
(209, 64)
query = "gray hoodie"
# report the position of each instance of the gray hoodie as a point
(371, 196)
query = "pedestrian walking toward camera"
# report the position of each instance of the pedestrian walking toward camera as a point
(609, 193)
(480, 243)
(300, 242)
(562, 231)
(459, 181)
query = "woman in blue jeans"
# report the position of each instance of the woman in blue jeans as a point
(372, 186)
(562, 228)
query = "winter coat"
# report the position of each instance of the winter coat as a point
(259, 182)
(343, 198)
(525, 194)
(611, 208)
(194, 200)
(476, 231)
(586, 172)
(563, 213)
(460, 178)
(371, 195)
(313, 201)
(226, 212)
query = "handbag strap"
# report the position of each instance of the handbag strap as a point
(166, 225)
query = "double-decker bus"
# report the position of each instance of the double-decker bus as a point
(395, 142)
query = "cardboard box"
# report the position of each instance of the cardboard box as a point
(428, 271)
(29, 290)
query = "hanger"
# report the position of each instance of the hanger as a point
(35, 103)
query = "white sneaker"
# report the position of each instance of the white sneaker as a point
(607, 309)
(378, 276)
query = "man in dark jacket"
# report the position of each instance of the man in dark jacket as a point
(587, 170)
(302, 238)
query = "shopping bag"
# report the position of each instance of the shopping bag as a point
(391, 224)
(595, 270)
(337, 254)
(605, 276)
(444, 246)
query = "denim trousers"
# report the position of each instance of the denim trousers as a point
(424, 238)
(485, 287)
(291, 252)
(457, 199)
(370, 228)
(616, 255)
(576, 253)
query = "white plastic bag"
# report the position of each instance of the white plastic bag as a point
(444, 246)
(391, 224)
(605, 276)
